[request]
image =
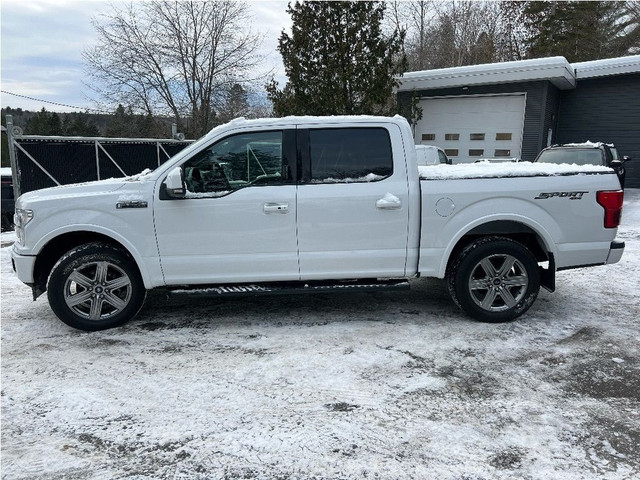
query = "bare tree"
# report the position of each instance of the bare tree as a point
(173, 58)
(416, 18)
(453, 33)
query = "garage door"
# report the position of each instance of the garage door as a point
(474, 127)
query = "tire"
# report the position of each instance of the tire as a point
(95, 286)
(494, 279)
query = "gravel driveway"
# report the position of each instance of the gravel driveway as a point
(364, 385)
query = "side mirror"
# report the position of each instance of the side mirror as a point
(174, 183)
(626, 159)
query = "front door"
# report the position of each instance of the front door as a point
(238, 220)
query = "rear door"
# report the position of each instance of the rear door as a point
(352, 202)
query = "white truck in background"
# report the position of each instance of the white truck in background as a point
(431, 155)
(313, 204)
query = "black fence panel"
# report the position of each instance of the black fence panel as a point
(75, 161)
(66, 162)
(132, 158)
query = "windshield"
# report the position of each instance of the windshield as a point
(577, 156)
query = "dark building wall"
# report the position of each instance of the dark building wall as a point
(541, 106)
(550, 120)
(605, 110)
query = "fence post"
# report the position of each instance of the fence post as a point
(97, 160)
(12, 157)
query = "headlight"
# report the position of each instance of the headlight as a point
(22, 217)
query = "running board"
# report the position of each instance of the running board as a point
(289, 288)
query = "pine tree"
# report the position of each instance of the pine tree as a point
(39, 124)
(122, 123)
(81, 126)
(146, 127)
(54, 124)
(66, 125)
(338, 61)
(581, 31)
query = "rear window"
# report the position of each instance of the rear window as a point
(577, 156)
(345, 155)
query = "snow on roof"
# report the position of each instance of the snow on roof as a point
(586, 144)
(606, 67)
(498, 170)
(555, 69)
(308, 120)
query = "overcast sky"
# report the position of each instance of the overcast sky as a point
(42, 43)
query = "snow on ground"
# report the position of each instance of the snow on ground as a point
(396, 385)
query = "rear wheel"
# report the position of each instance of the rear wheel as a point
(95, 286)
(494, 279)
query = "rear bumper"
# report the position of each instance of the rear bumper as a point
(23, 266)
(615, 252)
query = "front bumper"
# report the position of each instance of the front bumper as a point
(23, 266)
(615, 252)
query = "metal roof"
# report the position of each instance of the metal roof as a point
(557, 70)
(607, 67)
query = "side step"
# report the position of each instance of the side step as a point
(289, 288)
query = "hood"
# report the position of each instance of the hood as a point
(74, 190)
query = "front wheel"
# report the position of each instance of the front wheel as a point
(95, 286)
(494, 279)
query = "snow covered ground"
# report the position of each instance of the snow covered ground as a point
(388, 385)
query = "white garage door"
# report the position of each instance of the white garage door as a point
(474, 127)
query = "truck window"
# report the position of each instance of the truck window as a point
(235, 162)
(577, 156)
(347, 155)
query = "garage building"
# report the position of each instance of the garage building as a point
(515, 109)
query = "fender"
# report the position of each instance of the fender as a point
(533, 225)
(149, 269)
(472, 216)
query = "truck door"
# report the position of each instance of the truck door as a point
(238, 220)
(352, 202)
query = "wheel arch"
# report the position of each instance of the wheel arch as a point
(531, 235)
(57, 245)
(463, 285)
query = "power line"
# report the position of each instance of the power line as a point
(56, 103)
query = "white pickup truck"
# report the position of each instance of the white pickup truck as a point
(313, 204)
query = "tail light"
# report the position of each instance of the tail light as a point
(611, 201)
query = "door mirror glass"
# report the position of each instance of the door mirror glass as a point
(615, 164)
(175, 183)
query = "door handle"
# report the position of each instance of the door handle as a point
(271, 207)
(389, 202)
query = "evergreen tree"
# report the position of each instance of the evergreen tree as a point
(146, 127)
(338, 61)
(122, 123)
(81, 126)
(581, 31)
(54, 124)
(66, 125)
(39, 123)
